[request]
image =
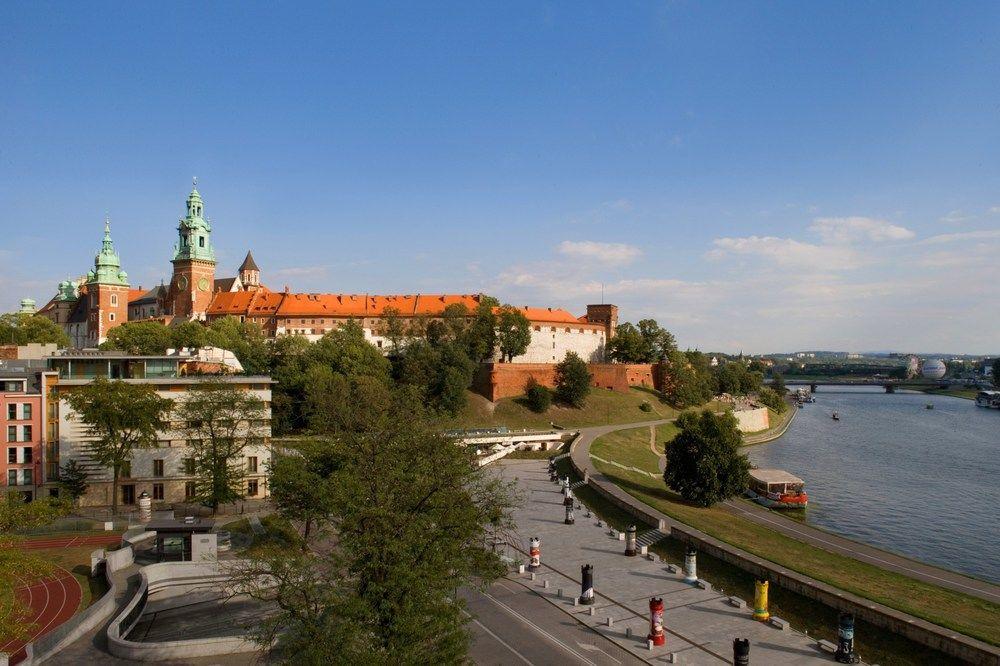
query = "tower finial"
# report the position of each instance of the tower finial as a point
(194, 181)
(107, 225)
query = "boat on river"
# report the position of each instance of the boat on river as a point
(989, 399)
(777, 489)
(835, 416)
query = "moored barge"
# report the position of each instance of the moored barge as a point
(777, 489)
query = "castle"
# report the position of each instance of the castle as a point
(91, 306)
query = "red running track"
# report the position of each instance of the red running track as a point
(51, 601)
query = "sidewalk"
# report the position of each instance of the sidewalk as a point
(700, 623)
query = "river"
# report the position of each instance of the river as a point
(924, 483)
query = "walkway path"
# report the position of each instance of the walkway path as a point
(811, 535)
(700, 623)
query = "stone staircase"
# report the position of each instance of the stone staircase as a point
(651, 537)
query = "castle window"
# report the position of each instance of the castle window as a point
(111, 316)
(201, 241)
(114, 299)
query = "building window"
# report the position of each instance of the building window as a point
(111, 316)
(26, 411)
(158, 467)
(12, 477)
(27, 454)
(201, 241)
(252, 488)
(158, 491)
(252, 464)
(189, 490)
(187, 464)
(27, 477)
(114, 299)
(128, 494)
(11, 455)
(26, 433)
(12, 411)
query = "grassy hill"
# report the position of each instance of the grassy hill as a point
(602, 407)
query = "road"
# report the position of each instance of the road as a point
(816, 537)
(512, 625)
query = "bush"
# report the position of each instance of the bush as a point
(537, 397)
(770, 398)
(646, 407)
(572, 381)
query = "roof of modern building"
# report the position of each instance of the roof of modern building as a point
(774, 476)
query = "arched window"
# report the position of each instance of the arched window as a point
(201, 241)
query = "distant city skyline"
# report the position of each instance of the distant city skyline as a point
(755, 178)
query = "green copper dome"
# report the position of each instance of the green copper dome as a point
(107, 266)
(194, 233)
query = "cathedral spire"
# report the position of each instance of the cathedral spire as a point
(194, 233)
(107, 264)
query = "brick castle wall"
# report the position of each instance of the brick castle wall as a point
(507, 380)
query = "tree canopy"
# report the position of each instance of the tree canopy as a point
(140, 337)
(22, 329)
(996, 372)
(412, 513)
(647, 343)
(513, 332)
(120, 417)
(704, 464)
(572, 381)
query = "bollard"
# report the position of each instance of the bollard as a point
(656, 633)
(741, 652)
(760, 612)
(545, 584)
(535, 552)
(630, 541)
(567, 501)
(845, 640)
(587, 584)
(690, 565)
(569, 515)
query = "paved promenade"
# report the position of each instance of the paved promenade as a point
(816, 537)
(700, 623)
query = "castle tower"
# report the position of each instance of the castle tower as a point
(107, 292)
(249, 274)
(194, 263)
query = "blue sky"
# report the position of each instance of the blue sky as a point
(766, 176)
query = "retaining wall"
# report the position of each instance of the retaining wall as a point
(507, 380)
(920, 631)
(156, 577)
(752, 420)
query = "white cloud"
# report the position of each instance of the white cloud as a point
(984, 234)
(786, 252)
(994, 210)
(606, 253)
(956, 217)
(854, 229)
(619, 204)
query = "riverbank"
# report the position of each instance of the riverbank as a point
(965, 393)
(960, 612)
(784, 420)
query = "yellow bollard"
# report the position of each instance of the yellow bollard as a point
(760, 601)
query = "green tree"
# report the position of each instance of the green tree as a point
(120, 417)
(140, 337)
(345, 351)
(21, 329)
(513, 332)
(18, 564)
(300, 489)
(778, 384)
(658, 342)
(442, 373)
(394, 328)
(572, 380)
(189, 334)
(480, 337)
(73, 480)
(221, 421)
(537, 397)
(289, 362)
(413, 514)
(770, 398)
(704, 463)
(245, 339)
(627, 346)
(996, 372)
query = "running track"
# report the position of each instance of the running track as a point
(56, 599)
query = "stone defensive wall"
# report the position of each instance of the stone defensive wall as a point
(507, 380)
(920, 631)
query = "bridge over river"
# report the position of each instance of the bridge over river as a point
(890, 385)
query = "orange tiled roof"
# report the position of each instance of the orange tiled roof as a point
(135, 294)
(265, 303)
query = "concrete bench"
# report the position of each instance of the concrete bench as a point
(779, 623)
(672, 568)
(826, 646)
(703, 584)
(737, 602)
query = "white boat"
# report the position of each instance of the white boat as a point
(777, 489)
(989, 399)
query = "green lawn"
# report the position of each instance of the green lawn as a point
(602, 407)
(628, 447)
(969, 615)
(968, 394)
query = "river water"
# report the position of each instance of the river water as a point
(920, 482)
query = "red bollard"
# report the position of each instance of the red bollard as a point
(535, 552)
(656, 633)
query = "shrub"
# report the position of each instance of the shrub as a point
(537, 397)
(646, 407)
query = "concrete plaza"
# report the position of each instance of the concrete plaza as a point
(700, 623)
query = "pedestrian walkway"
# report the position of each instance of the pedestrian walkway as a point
(700, 622)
